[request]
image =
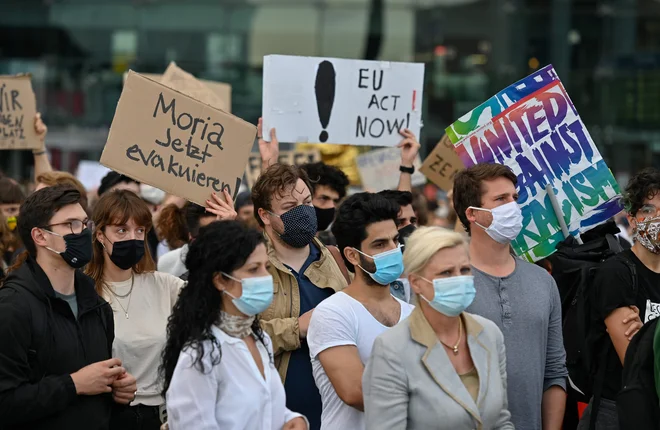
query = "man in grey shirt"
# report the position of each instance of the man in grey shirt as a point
(521, 298)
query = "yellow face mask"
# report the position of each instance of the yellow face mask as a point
(11, 223)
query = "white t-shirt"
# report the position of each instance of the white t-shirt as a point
(174, 262)
(342, 320)
(140, 338)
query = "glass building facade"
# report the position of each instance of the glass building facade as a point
(607, 53)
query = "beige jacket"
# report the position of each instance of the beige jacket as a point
(280, 320)
(410, 383)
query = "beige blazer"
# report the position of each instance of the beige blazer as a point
(410, 383)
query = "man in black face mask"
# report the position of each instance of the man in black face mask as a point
(304, 271)
(329, 185)
(56, 333)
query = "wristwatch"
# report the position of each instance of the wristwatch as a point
(405, 169)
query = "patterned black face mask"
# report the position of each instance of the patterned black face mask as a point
(299, 226)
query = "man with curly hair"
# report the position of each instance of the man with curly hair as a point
(618, 291)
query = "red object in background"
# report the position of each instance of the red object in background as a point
(74, 159)
(72, 102)
(77, 103)
(440, 51)
(431, 192)
(581, 407)
(55, 158)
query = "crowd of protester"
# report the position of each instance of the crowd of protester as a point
(307, 304)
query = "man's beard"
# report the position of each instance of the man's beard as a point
(370, 266)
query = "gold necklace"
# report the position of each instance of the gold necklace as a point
(460, 336)
(129, 295)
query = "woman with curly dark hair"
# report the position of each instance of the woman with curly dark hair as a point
(217, 364)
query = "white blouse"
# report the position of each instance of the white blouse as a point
(231, 395)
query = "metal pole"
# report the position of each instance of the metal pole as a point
(559, 214)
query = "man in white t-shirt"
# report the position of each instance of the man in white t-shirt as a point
(344, 326)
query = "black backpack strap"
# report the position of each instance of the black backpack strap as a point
(633, 271)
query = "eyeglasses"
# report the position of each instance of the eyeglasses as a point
(76, 226)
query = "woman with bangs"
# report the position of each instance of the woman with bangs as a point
(141, 299)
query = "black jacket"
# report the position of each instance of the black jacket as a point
(42, 344)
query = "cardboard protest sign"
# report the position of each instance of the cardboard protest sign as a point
(442, 164)
(173, 142)
(18, 108)
(182, 81)
(221, 90)
(297, 158)
(379, 169)
(533, 127)
(329, 100)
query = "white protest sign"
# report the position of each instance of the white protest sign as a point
(379, 169)
(90, 173)
(330, 100)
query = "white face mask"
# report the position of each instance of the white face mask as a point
(507, 222)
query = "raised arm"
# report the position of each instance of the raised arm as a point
(409, 150)
(270, 151)
(41, 162)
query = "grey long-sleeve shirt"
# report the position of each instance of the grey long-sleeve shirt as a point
(526, 307)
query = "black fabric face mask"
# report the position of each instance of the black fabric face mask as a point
(78, 250)
(405, 232)
(324, 217)
(299, 226)
(127, 253)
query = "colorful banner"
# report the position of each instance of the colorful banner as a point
(533, 128)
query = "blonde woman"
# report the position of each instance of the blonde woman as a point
(441, 367)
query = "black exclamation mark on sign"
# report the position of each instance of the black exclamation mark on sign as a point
(325, 95)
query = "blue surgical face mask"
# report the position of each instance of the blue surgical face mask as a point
(451, 295)
(389, 266)
(257, 294)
